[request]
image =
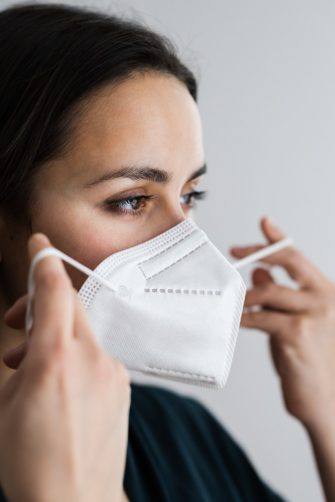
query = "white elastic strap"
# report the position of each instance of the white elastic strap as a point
(50, 251)
(262, 253)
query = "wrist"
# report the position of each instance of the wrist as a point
(321, 431)
(319, 414)
(322, 423)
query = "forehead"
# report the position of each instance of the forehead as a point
(152, 116)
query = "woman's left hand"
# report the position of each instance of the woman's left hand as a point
(301, 325)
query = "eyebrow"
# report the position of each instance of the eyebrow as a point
(142, 173)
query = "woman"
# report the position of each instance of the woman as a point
(82, 96)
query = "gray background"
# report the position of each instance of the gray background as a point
(266, 74)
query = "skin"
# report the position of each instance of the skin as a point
(152, 120)
(67, 404)
(300, 324)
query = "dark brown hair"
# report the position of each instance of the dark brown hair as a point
(51, 58)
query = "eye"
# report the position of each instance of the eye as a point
(188, 199)
(135, 205)
(129, 205)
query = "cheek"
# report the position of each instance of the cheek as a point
(81, 233)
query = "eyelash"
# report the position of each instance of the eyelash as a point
(118, 205)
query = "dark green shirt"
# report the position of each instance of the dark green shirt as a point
(179, 452)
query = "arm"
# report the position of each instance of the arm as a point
(301, 327)
(322, 437)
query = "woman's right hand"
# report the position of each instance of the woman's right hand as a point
(64, 412)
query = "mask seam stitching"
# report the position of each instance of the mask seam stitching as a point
(133, 256)
(237, 321)
(229, 355)
(168, 248)
(93, 285)
(171, 264)
(174, 372)
(201, 292)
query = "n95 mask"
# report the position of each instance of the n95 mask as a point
(170, 306)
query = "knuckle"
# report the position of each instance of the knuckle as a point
(113, 374)
(287, 351)
(57, 355)
(39, 370)
(258, 317)
(59, 351)
(40, 365)
(261, 294)
(299, 326)
(104, 369)
(324, 304)
(293, 253)
(58, 360)
(267, 289)
(320, 306)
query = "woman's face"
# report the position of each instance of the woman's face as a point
(142, 139)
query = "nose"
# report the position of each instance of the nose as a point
(174, 216)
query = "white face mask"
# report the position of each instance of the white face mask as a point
(170, 306)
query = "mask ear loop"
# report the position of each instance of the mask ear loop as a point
(262, 253)
(51, 251)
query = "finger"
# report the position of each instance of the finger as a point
(261, 276)
(273, 323)
(275, 296)
(243, 251)
(15, 315)
(298, 266)
(82, 327)
(12, 358)
(15, 318)
(53, 299)
(271, 231)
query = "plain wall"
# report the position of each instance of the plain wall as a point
(266, 74)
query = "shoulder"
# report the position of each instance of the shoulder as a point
(153, 399)
(176, 413)
(174, 405)
(186, 418)
(180, 426)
